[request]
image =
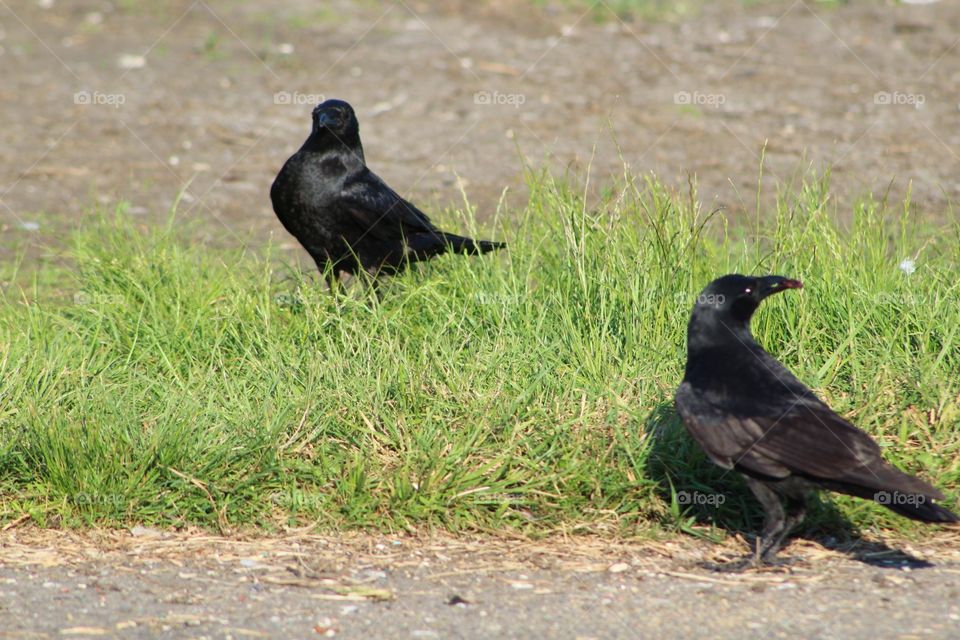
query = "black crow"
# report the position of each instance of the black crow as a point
(749, 413)
(346, 217)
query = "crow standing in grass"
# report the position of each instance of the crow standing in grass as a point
(346, 217)
(749, 413)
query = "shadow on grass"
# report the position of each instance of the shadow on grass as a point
(702, 494)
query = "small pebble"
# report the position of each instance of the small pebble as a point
(128, 61)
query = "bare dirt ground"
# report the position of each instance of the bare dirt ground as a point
(132, 100)
(153, 585)
(104, 101)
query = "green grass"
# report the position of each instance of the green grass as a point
(156, 381)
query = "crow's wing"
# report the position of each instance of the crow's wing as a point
(807, 437)
(380, 210)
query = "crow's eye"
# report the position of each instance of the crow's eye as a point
(748, 290)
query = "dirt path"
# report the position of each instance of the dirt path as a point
(151, 585)
(106, 100)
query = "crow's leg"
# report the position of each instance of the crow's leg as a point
(333, 282)
(795, 513)
(373, 281)
(328, 269)
(774, 529)
(777, 522)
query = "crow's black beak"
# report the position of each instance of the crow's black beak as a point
(775, 284)
(326, 119)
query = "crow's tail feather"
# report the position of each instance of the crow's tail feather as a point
(900, 492)
(916, 506)
(924, 511)
(469, 246)
(424, 246)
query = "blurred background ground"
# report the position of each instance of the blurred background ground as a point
(133, 100)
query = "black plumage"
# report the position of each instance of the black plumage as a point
(346, 217)
(749, 413)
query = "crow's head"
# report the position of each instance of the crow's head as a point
(732, 299)
(335, 119)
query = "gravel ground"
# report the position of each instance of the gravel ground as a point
(159, 586)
